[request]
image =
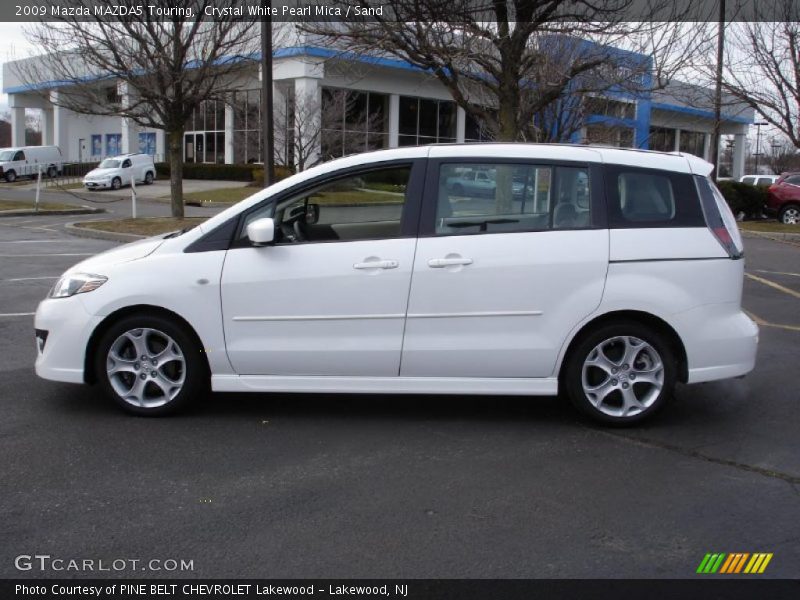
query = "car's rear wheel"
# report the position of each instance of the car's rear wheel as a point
(52, 172)
(149, 365)
(620, 373)
(116, 183)
(790, 215)
(148, 178)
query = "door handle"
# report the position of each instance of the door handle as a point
(440, 263)
(377, 264)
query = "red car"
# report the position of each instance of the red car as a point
(784, 199)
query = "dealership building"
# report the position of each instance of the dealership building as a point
(353, 104)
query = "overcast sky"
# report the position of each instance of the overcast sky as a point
(12, 46)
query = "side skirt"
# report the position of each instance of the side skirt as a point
(546, 386)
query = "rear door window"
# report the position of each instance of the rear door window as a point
(503, 198)
(651, 198)
(764, 181)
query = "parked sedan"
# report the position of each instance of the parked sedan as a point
(783, 200)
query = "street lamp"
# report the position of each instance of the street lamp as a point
(758, 139)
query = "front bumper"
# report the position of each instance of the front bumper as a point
(97, 185)
(60, 357)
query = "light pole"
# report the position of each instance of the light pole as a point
(758, 140)
(267, 130)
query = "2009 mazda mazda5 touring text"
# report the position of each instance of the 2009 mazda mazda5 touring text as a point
(609, 274)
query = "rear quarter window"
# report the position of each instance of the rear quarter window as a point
(651, 198)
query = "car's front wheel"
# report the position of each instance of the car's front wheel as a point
(148, 178)
(620, 373)
(116, 183)
(790, 215)
(149, 365)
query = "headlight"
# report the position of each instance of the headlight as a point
(76, 283)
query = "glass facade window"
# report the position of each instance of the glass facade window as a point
(662, 139)
(607, 107)
(205, 137)
(692, 142)
(476, 131)
(621, 137)
(353, 121)
(423, 121)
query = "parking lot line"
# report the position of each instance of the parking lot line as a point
(778, 273)
(56, 254)
(30, 314)
(774, 285)
(27, 278)
(763, 323)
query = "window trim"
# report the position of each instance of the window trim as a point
(427, 225)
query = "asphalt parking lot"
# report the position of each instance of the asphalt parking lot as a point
(281, 486)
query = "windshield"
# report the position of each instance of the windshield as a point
(7, 155)
(109, 164)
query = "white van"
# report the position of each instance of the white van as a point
(609, 274)
(117, 171)
(27, 161)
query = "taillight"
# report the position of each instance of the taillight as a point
(719, 218)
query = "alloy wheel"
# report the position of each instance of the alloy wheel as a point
(791, 216)
(146, 367)
(622, 376)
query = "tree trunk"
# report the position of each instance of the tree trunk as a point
(176, 173)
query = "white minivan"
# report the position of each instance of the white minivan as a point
(28, 161)
(117, 171)
(609, 274)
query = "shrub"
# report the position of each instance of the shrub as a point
(210, 171)
(280, 173)
(743, 198)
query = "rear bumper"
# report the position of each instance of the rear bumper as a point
(721, 342)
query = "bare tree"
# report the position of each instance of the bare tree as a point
(762, 68)
(309, 130)
(153, 70)
(512, 64)
(782, 156)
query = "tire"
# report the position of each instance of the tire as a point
(52, 172)
(116, 183)
(148, 178)
(11, 176)
(621, 395)
(173, 374)
(790, 214)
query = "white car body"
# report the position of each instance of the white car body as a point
(122, 168)
(28, 161)
(468, 314)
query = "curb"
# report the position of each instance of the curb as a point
(24, 212)
(85, 232)
(781, 237)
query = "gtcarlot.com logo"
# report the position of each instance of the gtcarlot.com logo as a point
(45, 562)
(735, 563)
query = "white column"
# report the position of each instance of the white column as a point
(18, 126)
(228, 134)
(130, 129)
(308, 102)
(461, 124)
(394, 120)
(61, 127)
(48, 134)
(740, 142)
(161, 146)
(677, 140)
(707, 146)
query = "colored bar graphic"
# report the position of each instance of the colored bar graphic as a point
(734, 563)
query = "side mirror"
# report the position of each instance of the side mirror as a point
(261, 231)
(312, 214)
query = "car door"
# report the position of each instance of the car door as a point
(329, 297)
(498, 286)
(126, 171)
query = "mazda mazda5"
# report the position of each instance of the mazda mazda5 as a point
(608, 274)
